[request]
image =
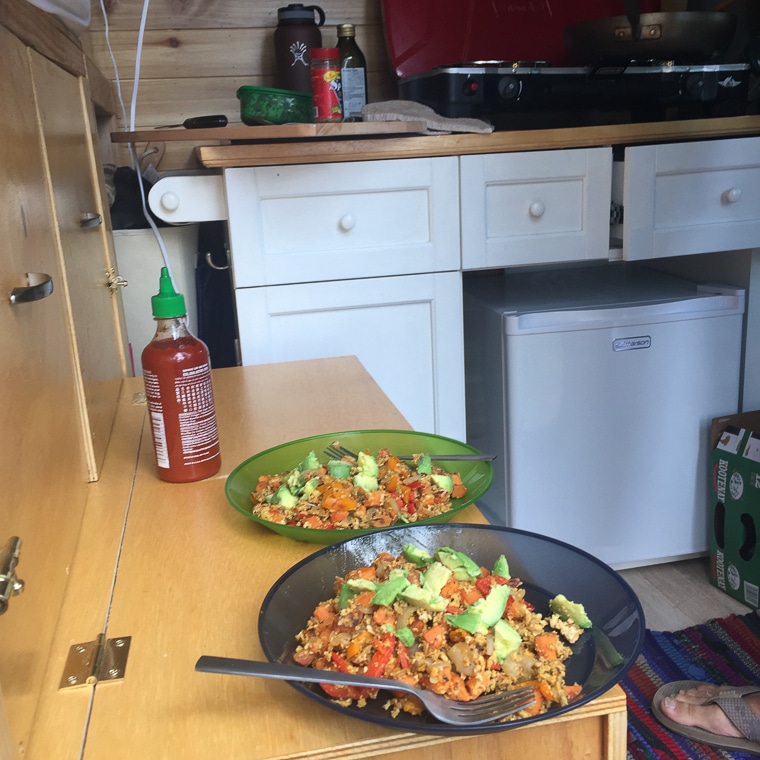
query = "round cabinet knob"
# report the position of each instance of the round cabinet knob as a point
(536, 209)
(732, 195)
(347, 222)
(170, 201)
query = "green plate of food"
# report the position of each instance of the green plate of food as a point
(388, 478)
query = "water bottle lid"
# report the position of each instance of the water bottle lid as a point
(167, 303)
(300, 12)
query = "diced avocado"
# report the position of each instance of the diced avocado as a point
(336, 468)
(572, 611)
(345, 595)
(310, 462)
(492, 607)
(405, 636)
(462, 566)
(419, 597)
(446, 482)
(295, 481)
(506, 640)
(309, 487)
(367, 464)
(436, 577)
(367, 482)
(414, 554)
(424, 465)
(284, 497)
(469, 621)
(501, 567)
(361, 584)
(387, 592)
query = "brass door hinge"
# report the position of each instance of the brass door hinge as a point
(95, 661)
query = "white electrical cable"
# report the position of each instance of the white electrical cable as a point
(134, 159)
(113, 62)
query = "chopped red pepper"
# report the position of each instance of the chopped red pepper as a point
(339, 691)
(403, 654)
(340, 662)
(383, 651)
(486, 582)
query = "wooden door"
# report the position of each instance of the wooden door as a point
(64, 114)
(42, 464)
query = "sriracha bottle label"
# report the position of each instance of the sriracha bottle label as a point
(181, 409)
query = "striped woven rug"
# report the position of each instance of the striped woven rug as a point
(722, 651)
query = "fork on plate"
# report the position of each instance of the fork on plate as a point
(336, 451)
(478, 712)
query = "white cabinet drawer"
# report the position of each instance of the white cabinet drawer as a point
(693, 197)
(535, 208)
(316, 222)
(407, 332)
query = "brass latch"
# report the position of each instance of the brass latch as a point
(95, 661)
(114, 281)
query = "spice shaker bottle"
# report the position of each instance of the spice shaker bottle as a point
(177, 375)
(326, 85)
(296, 34)
(353, 73)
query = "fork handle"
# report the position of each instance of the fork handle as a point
(455, 457)
(237, 667)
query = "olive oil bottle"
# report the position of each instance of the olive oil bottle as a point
(353, 73)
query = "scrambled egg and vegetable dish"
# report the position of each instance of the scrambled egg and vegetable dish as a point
(442, 623)
(366, 492)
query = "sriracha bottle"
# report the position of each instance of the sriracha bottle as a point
(177, 375)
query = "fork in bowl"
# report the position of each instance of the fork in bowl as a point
(478, 712)
(336, 451)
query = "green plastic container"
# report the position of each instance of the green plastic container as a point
(265, 105)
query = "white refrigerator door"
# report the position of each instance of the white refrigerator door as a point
(585, 420)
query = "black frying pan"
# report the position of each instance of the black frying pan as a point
(682, 36)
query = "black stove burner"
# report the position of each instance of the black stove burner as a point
(533, 94)
(495, 64)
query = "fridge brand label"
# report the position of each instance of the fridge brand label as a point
(632, 344)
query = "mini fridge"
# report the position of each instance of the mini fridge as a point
(595, 387)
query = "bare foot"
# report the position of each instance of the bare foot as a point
(688, 709)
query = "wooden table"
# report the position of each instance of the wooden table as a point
(179, 571)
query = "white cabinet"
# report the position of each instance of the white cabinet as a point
(407, 332)
(308, 223)
(535, 208)
(355, 258)
(686, 198)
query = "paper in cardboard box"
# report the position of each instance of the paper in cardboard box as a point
(735, 508)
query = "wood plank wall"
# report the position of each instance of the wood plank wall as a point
(196, 53)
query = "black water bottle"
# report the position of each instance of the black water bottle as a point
(296, 34)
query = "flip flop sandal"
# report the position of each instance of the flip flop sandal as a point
(731, 702)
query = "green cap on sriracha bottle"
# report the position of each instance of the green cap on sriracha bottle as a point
(167, 303)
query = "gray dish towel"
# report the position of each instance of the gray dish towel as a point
(408, 110)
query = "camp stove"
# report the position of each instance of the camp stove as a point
(534, 94)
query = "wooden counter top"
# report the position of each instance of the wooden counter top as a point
(179, 571)
(275, 152)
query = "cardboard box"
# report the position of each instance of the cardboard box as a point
(735, 508)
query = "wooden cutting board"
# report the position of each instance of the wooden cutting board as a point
(276, 132)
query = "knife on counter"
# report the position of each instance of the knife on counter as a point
(199, 122)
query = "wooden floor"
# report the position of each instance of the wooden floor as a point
(679, 594)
